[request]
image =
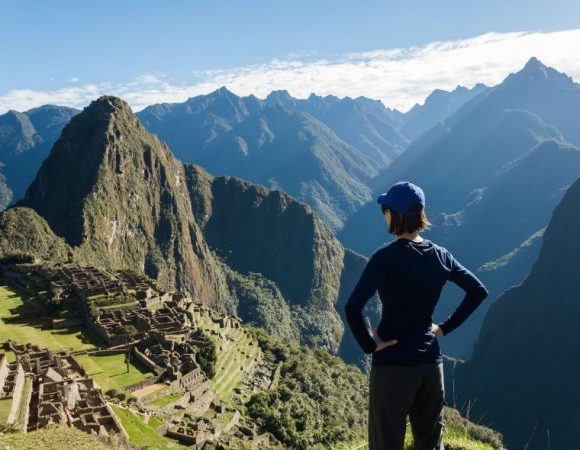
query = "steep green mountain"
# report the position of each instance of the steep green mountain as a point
(438, 106)
(492, 174)
(116, 194)
(111, 194)
(523, 369)
(268, 143)
(25, 140)
(23, 231)
(256, 230)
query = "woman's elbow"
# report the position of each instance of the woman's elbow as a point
(482, 292)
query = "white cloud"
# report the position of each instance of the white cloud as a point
(399, 77)
(73, 80)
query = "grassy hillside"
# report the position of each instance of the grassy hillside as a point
(55, 438)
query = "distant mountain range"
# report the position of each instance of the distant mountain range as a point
(522, 376)
(25, 140)
(321, 150)
(493, 173)
(111, 194)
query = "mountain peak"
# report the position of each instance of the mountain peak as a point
(17, 131)
(534, 67)
(103, 146)
(536, 71)
(279, 93)
(107, 103)
(280, 96)
(534, 64)
(224, 91)
(49, 108)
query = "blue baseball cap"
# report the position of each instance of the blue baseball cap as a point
(402, 197)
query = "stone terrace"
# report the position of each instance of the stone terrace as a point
(62, 393)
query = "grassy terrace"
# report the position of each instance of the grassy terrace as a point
(18, 321)
(140, 433)
(26, 391)
(110, 371)
(231, 362)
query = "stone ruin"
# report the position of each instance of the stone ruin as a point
(199, 430)
(130, 299)
(161, 338)
(171, 359)
(12, 390)
(234, 432)
(174, 363)
(111, 324)
(67, 282)
(62, 393)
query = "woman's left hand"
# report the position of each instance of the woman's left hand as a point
(436, 330)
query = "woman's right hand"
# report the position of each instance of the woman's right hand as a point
(380, 343)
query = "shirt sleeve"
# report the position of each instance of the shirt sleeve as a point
(475, 293)
(366, 287)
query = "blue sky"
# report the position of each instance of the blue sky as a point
(52, 49)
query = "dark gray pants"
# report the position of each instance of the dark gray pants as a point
(397, 391)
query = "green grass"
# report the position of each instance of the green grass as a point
(5, 406)
(454, 438)
(17, 322)
(26, 389)
(12, 305)
(140, 433)
(110, 371)
(155, 422)
(52, 438)
(165, 400)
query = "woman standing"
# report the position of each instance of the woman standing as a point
(407, 368)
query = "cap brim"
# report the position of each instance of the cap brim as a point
(382, 199)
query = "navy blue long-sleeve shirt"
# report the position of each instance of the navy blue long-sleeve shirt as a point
(409, 277)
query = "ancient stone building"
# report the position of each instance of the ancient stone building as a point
(61, 393)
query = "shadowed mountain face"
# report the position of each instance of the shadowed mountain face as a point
(111, 194)
(25, 140)
(524, 368)
(492, 175)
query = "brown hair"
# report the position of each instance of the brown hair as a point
(401, 224)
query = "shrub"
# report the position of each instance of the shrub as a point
(17, 258)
